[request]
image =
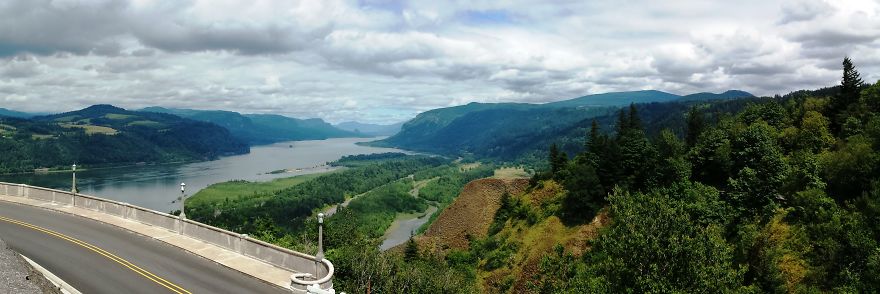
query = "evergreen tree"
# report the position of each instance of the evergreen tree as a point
(637, 154)
(695, 125)
(557, 159)
(710, 157)
(850, 85)
(592, 143)
(634, 122)
(622, 122)
(553, 157)
(585, 194)
(411, 252)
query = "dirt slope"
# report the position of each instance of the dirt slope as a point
(470, 215)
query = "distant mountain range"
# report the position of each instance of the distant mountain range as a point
(12, 113)
(504, 130)
(263, 128)
(370, 129)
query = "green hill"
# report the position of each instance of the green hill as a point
(706, 96)
(103, 135)
(262, 128)
(616, 99)
(512, 131)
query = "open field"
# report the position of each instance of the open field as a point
(511, 173)
(235, 189)
(118, 116)
(41, 137)
(93, 129)
(146, 123)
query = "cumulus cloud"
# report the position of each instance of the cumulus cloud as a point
(386, 60)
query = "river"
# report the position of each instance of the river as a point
(156, 186)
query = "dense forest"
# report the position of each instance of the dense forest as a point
(103, 135)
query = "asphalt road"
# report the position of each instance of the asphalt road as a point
(94, 257)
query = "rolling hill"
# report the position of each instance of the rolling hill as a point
(108, 135)
(262, 128)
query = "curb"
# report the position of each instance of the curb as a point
(58, 282)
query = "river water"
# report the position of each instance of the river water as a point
(156, 186)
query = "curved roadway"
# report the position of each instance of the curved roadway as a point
(94, 257)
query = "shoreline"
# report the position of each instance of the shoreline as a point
(62, 171)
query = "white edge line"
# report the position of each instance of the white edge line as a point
(64, 286)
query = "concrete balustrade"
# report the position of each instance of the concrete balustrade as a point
(278, 256)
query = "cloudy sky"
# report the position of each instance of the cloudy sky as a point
(384, 61)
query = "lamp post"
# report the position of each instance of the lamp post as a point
(73, 186)
(320, 255)
(182, 202)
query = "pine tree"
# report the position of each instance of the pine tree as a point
(560, 161)
(634, 122)
(850, 85)
(637, 154)
(622, 122)
(851, 82)
(553, 157)
(695, 125)
(593, 138)
(411, 252)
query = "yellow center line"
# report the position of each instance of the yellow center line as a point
(108, 255)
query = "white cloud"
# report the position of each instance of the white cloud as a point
(386, 60)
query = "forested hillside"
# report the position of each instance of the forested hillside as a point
(521, 132)
(780, 197)
(103, 135)
(262, 128)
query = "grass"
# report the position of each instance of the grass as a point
(146, 123)
(41, 137)
(236, 189)
(469, 166)
(6, 130)
(67, 118)
(118, 116)
(93, 129)
(511, 173)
